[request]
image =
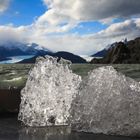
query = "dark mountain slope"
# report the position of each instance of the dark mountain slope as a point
(122, 53)
(101, 53)
(65, 55)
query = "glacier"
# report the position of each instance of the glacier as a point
(49, 92)
(105, 101)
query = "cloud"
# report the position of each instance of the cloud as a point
(53, 23)
(88, 44)
(9, 33)
(64, 15)
(128, 28)
(90, 10)
(4, 4)
(75, 43)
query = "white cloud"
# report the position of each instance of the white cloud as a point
(128, 28)
(85, 10)
(86, 44)
(64, 15)
(4, 4)
(9, 33)
(54, 23)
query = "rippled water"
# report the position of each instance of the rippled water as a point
(130, 70)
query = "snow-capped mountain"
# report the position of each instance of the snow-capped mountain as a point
(9, 51)
(104, 51)
(17, 49)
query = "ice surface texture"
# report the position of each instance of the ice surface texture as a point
(103, 102)
(48, 94)
(108, 102)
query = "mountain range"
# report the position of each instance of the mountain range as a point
(122, 52)
(65, 55)
(19, 49)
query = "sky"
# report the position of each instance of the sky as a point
(82, 27)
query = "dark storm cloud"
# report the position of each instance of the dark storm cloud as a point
(104, 9)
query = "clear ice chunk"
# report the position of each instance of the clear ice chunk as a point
(48, 94)
(105, 101)
(108, 102)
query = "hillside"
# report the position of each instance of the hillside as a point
(65, 55)
(122, 53)
(101, 53)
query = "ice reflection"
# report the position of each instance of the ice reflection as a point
(45, 133)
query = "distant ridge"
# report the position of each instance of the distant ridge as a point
(65, 55)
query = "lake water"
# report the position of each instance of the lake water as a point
(15, 59)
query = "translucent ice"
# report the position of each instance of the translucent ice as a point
(108, 102)
(48, 94)
(103, 102)
(44, 133)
